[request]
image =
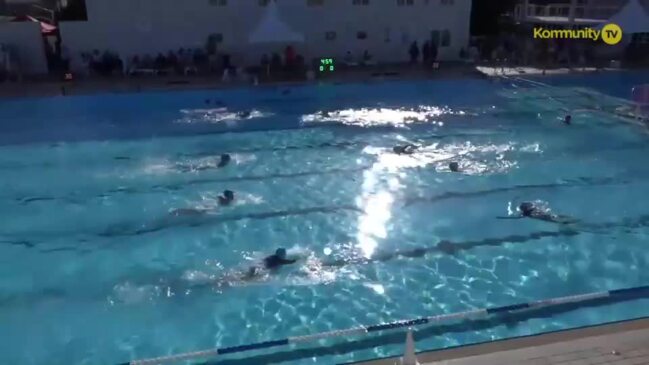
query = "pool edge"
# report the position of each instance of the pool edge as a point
(519, 343)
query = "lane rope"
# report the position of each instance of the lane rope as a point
(363, 330)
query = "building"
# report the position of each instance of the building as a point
(564, 12)
(330, 27)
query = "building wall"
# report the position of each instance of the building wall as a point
(25, 39)
(132, 27)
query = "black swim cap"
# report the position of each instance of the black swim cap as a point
(280, 252)
(526, 207)
(229, 194)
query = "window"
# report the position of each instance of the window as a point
(219, 2)
(330, 36)
(361, 2)
(640, 38)
(405, 2)
(361, 35)
(314, 2)
(264, 2)
(446, 38)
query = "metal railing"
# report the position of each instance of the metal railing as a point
(640, 291)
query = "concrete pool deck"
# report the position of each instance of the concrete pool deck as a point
(97, 85)
(620, 343)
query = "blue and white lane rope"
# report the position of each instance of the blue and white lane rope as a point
(361, 330)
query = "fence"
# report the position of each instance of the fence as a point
(362, 330)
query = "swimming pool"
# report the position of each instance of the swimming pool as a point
(94, 268)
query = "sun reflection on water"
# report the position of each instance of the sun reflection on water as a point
(370, 117)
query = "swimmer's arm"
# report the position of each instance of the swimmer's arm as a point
(564, 219)
(511, 217)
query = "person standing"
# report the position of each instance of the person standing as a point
(414, 52)
(425, 53)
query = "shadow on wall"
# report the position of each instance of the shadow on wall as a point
(397, 338)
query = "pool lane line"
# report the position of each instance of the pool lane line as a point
(444, 246)
(178, 186)
(204, 218)
(323, 145)
(449, 247)
(342, 144)
(171, 222)
(167, 222)
(483, 313)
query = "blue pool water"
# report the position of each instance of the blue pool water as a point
(94, 268)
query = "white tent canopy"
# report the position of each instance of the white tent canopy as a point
(271, 29)
(633, 18)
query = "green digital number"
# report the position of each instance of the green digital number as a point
(327, 65)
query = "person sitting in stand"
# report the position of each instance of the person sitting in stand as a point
(349, 59)
(275, 63)
(160, 62)
(367, 59)
(265, 65)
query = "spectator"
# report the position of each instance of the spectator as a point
(348, 57)
(414, 52)
(85, 61)
(106, 63)
(133, 65)
(65, 59)
(433, 52)
(118, 64)
(367, 58)
(426, 53)
(160, 62)
(227, 61)
(275, 62)
(200, 58)
(289, 56)
(299, 62)
(172, 61)
(94, 61)
(147, 62)
(265, 65)
(180, 55)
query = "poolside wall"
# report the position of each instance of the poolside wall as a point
(25, 39)
(132, 27)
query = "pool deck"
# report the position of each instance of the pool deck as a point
(206, 82)
(621, 343)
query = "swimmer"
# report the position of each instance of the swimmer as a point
(277, 260)
(272, 262)
(244, 114)
(531, 210)
(454, 167)
(226, 198)
(408, 149)
(325, 114)
(225, 160)
(567, 120)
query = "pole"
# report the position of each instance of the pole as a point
(572, 11)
